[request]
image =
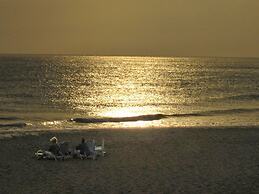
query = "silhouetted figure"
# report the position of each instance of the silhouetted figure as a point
(54, 148)
(83, 148)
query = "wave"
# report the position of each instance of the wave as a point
(242, 97)
(119, 119)
(8, 118)
(19, 125)
(217, 112)
(229, 111)
(153, 117)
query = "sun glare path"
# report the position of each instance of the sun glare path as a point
(124, 112)
(129, 112)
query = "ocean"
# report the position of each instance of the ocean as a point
(92, 92)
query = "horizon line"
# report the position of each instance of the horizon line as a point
(92, 55)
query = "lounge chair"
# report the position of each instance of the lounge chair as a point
(42, 154)
(65, 153)
(93, 149)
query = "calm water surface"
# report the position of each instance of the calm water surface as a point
(45, 92)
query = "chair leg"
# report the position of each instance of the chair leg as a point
(94, 156)
(103, 147)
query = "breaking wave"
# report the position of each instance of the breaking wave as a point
(16, 122)
(154, 117)
(119, 119)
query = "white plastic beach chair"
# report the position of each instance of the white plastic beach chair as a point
(94, 150)
(100, 149)
(91, 146)
(41, 154)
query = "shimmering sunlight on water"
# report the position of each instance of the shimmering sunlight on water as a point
(47, 91)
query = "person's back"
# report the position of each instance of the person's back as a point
(83, 147)
(54, 147)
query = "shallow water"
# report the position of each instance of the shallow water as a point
(45, 92)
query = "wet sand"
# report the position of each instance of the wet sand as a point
(139, 161)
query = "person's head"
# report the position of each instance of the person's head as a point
(54, 140)
(83, 140)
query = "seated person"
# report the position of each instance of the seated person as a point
(83, 148)
(54, 147)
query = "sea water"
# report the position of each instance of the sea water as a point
(82, 92)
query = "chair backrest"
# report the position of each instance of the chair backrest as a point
(91, 146)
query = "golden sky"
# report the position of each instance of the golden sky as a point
(131, 27)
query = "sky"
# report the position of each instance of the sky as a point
(228, 28)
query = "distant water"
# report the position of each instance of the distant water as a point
(80, 92)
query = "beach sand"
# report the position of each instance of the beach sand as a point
(186, 160)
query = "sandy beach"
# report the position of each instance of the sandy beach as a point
(187, 160)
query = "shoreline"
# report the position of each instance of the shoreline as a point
(24, 131)
(166, 160)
